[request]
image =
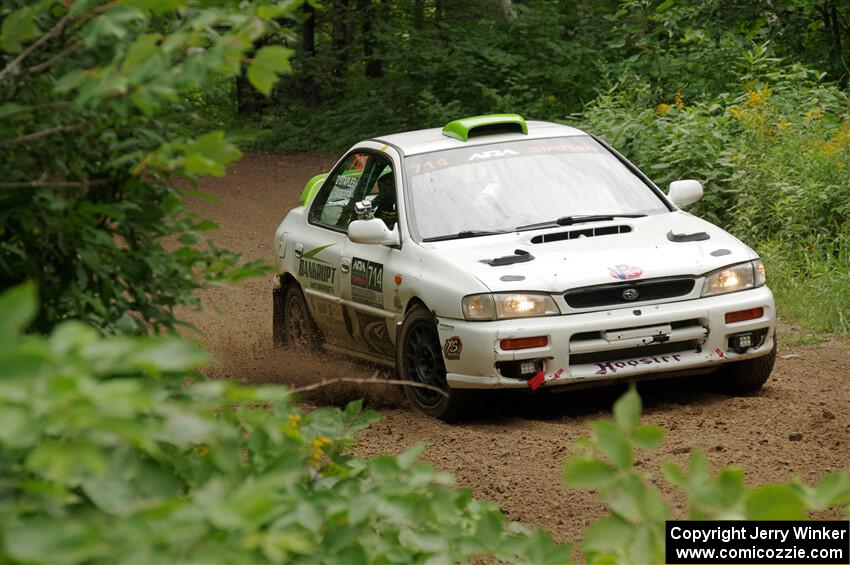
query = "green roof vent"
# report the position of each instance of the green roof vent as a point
(465, 128)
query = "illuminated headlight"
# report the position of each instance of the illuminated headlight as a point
(734, 278)
(508, 305)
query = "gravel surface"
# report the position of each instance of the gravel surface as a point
(512, 450)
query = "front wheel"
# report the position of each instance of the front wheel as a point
(420, 360)
(743, 377)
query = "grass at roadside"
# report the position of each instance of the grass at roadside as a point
(814, 294)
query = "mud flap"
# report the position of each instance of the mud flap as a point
(278, 312)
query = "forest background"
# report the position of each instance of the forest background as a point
(110, 112)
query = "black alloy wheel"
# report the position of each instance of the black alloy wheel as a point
(420, 360)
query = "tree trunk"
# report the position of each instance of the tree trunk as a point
(418, 14)
(308, 30)
(839, 70)
(340, 35)
(309, 83)
(368, 12)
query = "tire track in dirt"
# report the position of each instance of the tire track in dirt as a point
(511, 452)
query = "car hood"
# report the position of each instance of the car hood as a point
(645, 251)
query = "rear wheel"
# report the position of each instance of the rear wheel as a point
(743, 377)
(293, 324)
(420, 360)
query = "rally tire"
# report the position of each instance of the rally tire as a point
(419, 358)
(278, 327)
(745, 377)
(293, 325)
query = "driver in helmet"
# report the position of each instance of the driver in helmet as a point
(384, 202)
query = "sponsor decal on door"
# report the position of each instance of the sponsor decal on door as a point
(367, 282)
(320, 274)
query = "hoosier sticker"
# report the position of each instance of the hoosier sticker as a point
(367, 282)
(614, 366)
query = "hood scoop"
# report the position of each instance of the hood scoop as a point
(680, 237)
(519, 256)
(575, 234)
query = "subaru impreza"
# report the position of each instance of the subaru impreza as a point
(497, 252)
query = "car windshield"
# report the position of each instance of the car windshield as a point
(505, 186)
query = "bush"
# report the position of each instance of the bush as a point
(99, 145)
(113, 450)
(109, 454)
(773, 154)
(633, 530)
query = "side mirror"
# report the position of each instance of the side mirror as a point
(685, 192)
(372, 232)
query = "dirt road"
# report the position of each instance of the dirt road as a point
(799, 425)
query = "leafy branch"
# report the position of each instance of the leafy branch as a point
(44, 133)
(41, 183)
(126, 72)
(14, 65)
(35, 69)
(55, 105)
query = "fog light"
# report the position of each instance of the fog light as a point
(741, 342)
(520, 369)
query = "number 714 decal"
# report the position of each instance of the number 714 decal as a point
(367, 282)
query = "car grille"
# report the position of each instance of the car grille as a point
(642, 351)
(596, 347)
(615, 294)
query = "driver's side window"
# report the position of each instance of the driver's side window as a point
(334, 204)
(360, 176)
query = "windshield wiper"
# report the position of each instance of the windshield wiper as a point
(463, 234)
(570, 220)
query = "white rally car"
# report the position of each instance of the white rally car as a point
(499, 253)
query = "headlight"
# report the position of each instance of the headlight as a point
(508, 305)
(734, 278)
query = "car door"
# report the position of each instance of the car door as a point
(320, 247)
(368, 287)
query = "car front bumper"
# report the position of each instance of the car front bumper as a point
(623, 343)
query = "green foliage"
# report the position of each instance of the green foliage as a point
(267, 63)
(457, 59)
(99, 150)
(472, 62)
(773, 153)
(113, 450)
(633, 530)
